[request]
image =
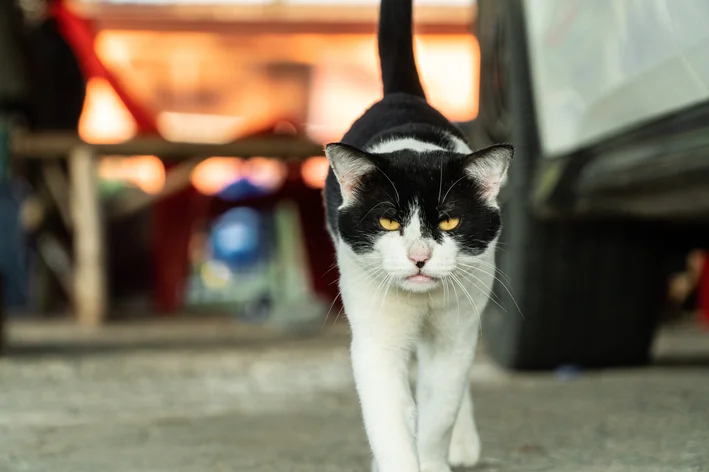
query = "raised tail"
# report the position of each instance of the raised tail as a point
(396, 48)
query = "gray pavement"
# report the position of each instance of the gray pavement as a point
(216, 397)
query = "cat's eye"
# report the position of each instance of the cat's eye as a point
(389, 224)
(449, 224)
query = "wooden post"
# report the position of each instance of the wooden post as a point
(90, 291)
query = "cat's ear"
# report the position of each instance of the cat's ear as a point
(350, 165)
(489, 167)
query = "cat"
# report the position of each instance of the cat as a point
(413, 215)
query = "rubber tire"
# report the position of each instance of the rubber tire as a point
(586, 293)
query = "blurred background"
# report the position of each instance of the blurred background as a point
(209, 73)
(163, 246)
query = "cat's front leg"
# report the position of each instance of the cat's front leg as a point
(445, 357)
(380, 356)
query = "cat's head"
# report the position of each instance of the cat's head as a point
(418, 217)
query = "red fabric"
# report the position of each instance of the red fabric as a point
(173, 221)
(80, 35)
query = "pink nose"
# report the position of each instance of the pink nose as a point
(419, 255)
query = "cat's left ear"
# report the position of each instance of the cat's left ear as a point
(489, 167)
(350, 165)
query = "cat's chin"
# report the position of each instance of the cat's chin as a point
(419, 283)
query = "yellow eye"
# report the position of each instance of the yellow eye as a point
(389, 224)
(449, 224)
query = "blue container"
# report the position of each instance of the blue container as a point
(237, 238)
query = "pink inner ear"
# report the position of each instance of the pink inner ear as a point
(491, 180)
(348, 187)
(489, 167)
(492, 188)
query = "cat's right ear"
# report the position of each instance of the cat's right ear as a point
(350, 165)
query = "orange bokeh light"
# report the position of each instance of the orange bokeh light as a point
(104, 119)
(145, 172)
(214, 174)
(314, 171)
(265, 173)
(450, 72)
(337, 77)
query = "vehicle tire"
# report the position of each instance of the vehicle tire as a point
(585, 293)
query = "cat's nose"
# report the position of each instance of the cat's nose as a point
(419, 256)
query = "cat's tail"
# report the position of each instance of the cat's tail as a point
(396, 48)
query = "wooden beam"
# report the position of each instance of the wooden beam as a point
(251, 28)
(90, 287)
(59, 145)
(265, 18)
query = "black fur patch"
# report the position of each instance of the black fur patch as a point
(434, 181)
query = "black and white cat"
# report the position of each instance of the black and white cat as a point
(412, 211)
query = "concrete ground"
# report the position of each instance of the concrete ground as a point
(189, 397)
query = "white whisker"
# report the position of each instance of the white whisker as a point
(372, 209)
(440, 183)
(501, 283)
(451, 188)
(470, 298)
(392, 184)
(485, 287)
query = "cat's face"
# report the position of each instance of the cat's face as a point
(418, 218)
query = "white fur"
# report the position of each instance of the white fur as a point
(401, 144)
(390, 317)
(454, 144)
(459, 145)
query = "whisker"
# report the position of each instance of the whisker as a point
(480, 261)
(342, 309)
(495, 269)
(368, 275)
(509, 292)
(470, 298)
(392, 184)
(445, 291)
(491, 295)
(376, 293)
(333, 266)
(451, 188)
(440, 183)
(372, 209)
(384, 298)
(465, 291)
(457, 299)
(327, 315)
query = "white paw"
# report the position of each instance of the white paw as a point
(465, 449)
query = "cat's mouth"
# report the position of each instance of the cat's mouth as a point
(420, 282)
(420, 278)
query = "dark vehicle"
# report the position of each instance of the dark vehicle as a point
(607, 103)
